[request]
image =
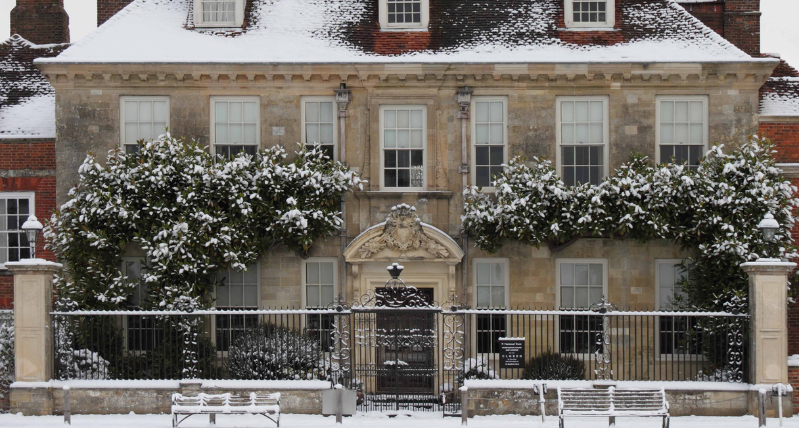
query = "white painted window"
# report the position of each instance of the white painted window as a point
(489, 138)
(234, 290)
(403, 138)
(676, 335)
(15, 208)
(142, 118)
(580, 283)
(404, 14)
(682, 129)
(319, 124)
(218, 13)
(235, 125)
(590, 13)
(491, 292)
(319, 279)
(582, 135)
(143, 333)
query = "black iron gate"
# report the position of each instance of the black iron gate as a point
(407, 352)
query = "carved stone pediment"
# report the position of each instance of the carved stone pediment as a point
(403, 236)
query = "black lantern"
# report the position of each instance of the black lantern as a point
(769, 227)
(32, 228)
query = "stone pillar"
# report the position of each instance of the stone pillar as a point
(33, 345)
(768, 326)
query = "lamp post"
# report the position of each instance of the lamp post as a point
(768, 226)
(32, 228)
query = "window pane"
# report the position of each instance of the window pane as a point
(666, 134)
(483, 297)
(481, 134)
(497, 136)
(681, 134)
(417, 158)
(581, 136)
(313, 296)
(312, 112)
(416, 139)
(567, 111)
(567, 133)
(326, 112)
(581, 110)
(483, 273)
(402, 119)
(597, 111)
(497, 155)
(235, 112)
(496, 112)
(498, 274)
(145, 111)
(416, 119)
(131, 111)
(482, 112)
(567, 274)
(390, 119)
(312, 273)
(697, 112)
(326, 273)
(597, 133)
(498, 297)
(159, 111)
(390, 159)
(390, 139)
(681, 111)
(580, 274)
(327, 294)
(220, 115)
(595, 274)
(567, 297)
(250, 115)
(403, 139)
(667, 111)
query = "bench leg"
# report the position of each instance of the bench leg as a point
(174, 420)
(560, 421)
(612, 421)
(665, 422)
(212, 418)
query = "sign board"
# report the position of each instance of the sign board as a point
(511, 352)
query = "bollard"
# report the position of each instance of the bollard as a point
(780, 390)
(761, 408)
(67, 415)
(542, 390)
(340, 403)
(464, 405)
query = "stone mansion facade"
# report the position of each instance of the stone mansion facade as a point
(401, 126)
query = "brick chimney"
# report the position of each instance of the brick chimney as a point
(108, 8)
(41, 21)
(742, 25)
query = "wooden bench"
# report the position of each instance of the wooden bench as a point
(267, 405)
(612, 403)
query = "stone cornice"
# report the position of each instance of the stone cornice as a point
(742, 75)
(779, 119)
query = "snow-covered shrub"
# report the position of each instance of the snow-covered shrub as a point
(552, 366)
(477, 368)
(191, 213)
(713, 210)
(87, 364)
(7, 370)
(270, 352)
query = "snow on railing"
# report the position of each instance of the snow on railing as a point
(593, 313)
(206, 312)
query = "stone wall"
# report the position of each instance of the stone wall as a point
(45, 400)
(512, 401)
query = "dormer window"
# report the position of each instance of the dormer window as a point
(218, 13)
(404, 15)
(590, 13)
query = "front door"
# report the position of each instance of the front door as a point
(406, 354)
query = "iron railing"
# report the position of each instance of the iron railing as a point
(402, 358)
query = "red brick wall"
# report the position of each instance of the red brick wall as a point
(742, 25)
(26, 159)
(41, 21)
(793, 379)
(786, 138)
(108, 8)
(711, 14)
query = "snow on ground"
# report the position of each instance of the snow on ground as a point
(432, 420)
(33, 118)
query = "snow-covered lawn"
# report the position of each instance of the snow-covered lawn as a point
(374, 420)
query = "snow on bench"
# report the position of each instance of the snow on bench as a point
(267, 405)
(612, 403)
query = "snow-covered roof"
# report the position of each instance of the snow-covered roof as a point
(780, 97)
(27, 101)
(347, 31)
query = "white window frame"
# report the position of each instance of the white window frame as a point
(473, 107)
(658, 355)
(705, 99)
(606, 148)
(421, 26)
(237, 22)
(31, 196)
(304, 290)
(321, 99)
(126, 98)
(212, 127)
(425, 165)
(610, 15)
(558, 303)
(506, 264)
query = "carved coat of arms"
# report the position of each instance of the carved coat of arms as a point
(403, 232)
